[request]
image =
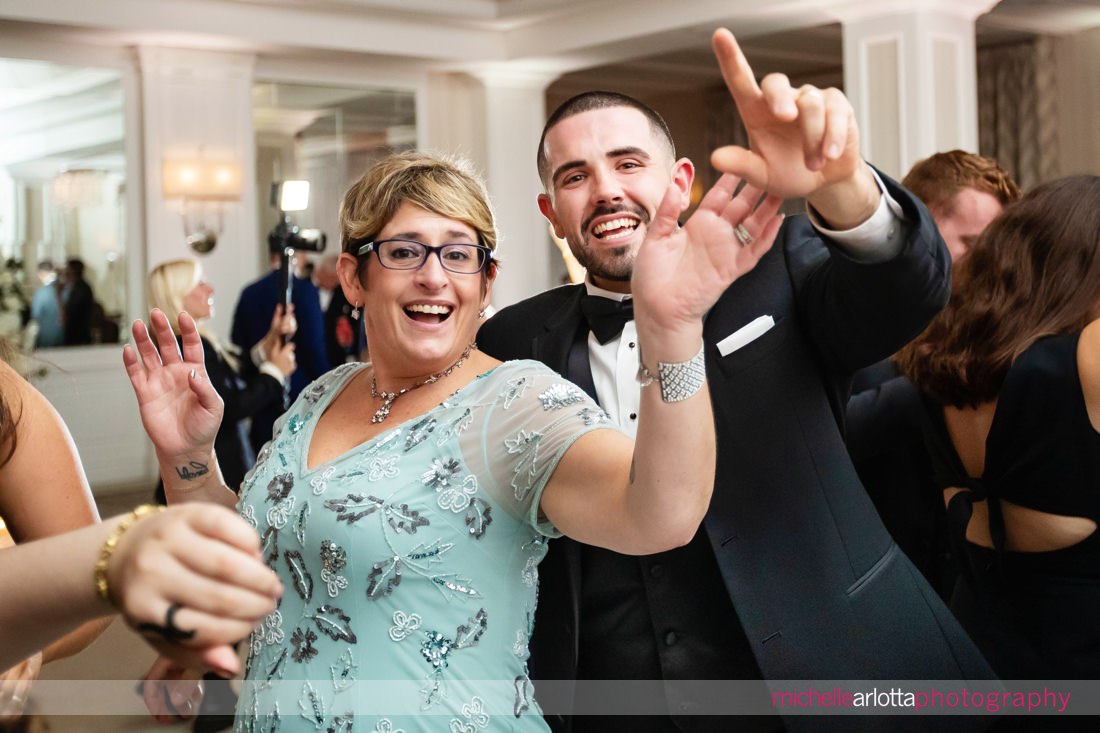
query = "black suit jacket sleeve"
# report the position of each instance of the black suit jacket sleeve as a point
(856, 313)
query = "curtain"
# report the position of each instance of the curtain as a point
(1017, 109)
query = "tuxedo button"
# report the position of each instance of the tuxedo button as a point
(633, 416)
(657, 570)
(671, 638)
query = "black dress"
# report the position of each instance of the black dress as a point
(1033, 614)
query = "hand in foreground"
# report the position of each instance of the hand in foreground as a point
(172, 692)
(190, 580)
(800, 140)
(681, 272)
(180, 409)
(15, 687)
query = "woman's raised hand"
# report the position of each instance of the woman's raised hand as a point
(180, 409)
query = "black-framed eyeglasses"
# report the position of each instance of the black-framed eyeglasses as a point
(408, 254)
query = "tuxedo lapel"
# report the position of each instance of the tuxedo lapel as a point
(552, 346)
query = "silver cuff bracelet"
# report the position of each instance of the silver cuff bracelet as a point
(678, 380)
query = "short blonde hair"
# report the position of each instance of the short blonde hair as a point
(446, 186)
(169, 284)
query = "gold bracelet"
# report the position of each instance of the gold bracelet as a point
(111, 544)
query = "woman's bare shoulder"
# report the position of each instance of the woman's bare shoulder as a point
(1088, 367)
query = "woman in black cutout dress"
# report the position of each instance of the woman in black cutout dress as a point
(1010, 376)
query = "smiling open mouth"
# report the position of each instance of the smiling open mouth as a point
(614, 229)
(428, 313)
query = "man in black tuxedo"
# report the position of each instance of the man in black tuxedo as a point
(792, 575)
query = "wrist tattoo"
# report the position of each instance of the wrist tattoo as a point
(192, 470)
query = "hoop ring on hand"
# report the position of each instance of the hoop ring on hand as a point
(743, 236)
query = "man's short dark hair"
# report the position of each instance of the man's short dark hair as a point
(588, 101)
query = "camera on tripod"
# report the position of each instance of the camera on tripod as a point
(287, 237)
(290, 196)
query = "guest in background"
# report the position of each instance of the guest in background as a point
(1010, 376)
(963, 192)
(245, 389)
(251, 324)
(46, 308)
(77, 302)
(342, 329)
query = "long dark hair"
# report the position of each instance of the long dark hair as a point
(1034, 272)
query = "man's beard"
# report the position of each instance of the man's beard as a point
(614, 263)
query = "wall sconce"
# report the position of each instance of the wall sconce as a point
(202, 186)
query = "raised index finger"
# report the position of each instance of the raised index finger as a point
(735, 67)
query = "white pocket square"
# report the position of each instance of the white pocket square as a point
(745, 335)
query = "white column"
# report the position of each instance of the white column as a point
(912, 77)
(201, 101)
(495, 118)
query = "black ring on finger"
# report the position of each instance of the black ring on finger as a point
(169, 631)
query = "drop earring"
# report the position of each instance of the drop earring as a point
(356, 311)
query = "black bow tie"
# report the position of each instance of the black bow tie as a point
(606, 317)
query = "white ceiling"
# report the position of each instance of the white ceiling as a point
(629, 45)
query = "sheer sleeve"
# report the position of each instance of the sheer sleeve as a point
(535, 415)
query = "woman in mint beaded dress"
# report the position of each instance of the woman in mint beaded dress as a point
(406, 502)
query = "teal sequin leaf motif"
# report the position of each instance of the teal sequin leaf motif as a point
(302, 523)
(299, 576)
(592, 416)
(312, 706)
(354, 507)
(439, 476)
(526, 445)
(429, 554)
(455, 427)
(276, 670)
(557, 396)
(269, 546)
(403, 519)
(295, 424)
(384, 577)
(523, 695)
(517, 386)
(479, 516)
(342, 723)
(470, 633)
(456, 585)
(334, 623)
(419, 433)
(279, 487)
(344, 671)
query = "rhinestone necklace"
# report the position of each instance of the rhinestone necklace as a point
(388, 397)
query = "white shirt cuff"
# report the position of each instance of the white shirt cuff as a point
(877, 239)
(257, 354)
